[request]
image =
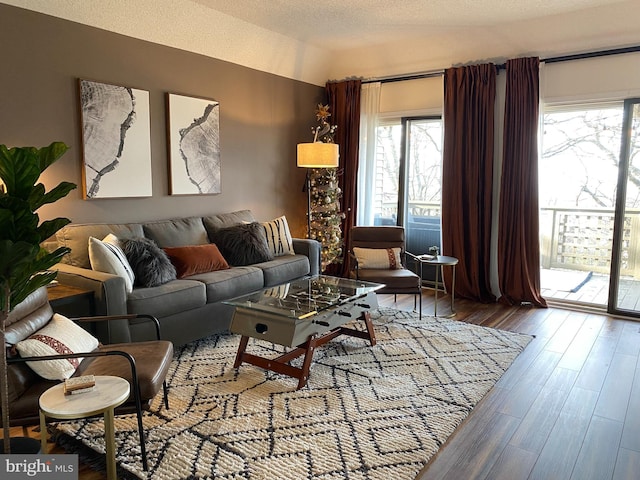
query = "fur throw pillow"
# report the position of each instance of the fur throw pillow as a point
(243, 244)
(150, 263)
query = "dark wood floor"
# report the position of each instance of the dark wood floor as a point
(568, 408)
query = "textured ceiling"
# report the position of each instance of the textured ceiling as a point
(334, 39)
(345, 24)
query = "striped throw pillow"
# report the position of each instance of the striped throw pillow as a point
(278, 237)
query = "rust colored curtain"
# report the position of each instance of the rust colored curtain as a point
(467, 177)
(344, 103)
(518, 241)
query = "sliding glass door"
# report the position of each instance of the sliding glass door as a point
(590, 206)
(404, 184)
(421, 182)
(625, 271)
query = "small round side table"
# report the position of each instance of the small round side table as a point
(439, 262)
(108, 393)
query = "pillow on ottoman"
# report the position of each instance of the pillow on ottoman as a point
(243, 244)
(150, 263)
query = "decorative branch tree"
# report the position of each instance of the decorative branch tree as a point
(326, 217)
(23, 262)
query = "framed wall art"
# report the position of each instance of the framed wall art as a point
(116, 141)
(193, 137)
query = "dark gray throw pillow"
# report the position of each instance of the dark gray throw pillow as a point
(150, 263)
(243, 244)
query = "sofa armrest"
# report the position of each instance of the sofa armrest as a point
(310, 248)
(132, 318)
(110, 298)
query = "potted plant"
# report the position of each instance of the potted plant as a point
(24, 263)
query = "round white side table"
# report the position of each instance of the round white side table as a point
(108, 393)
(439, 262)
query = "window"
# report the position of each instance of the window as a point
(406, 179)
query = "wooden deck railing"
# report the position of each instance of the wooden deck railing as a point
(580, 239)
(574, 238)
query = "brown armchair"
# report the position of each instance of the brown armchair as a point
(378, 255)
(144, 364)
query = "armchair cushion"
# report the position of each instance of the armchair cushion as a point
(59, 336)
(378, 258)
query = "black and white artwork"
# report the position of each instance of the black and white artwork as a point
(116, 141)
(194, 145)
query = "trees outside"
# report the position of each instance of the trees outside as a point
(580, 159)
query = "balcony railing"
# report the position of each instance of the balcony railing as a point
(580, 239)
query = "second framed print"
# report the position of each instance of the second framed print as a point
(193, 126)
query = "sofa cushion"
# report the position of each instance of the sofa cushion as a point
(243, 244)
(226, 284)
(107, 256)
(58, 337)
(167, 299)
(195, 259)
(151, 265)
(284, 269)
(222, 220)
(279, 237)
(76, 237)
(178, 232)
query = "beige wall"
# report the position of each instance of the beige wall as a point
(262, 117)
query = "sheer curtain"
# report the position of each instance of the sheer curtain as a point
(369, 108)
(467, 177)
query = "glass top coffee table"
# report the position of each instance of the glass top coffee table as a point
(303, 314)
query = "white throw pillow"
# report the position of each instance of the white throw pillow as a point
(379, 258)
(107, 256)
(57, 337)
(279, 237)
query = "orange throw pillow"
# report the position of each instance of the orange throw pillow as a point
(195, 259)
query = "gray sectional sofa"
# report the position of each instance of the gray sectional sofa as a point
(189, 308)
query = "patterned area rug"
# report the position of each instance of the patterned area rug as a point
(367, 412)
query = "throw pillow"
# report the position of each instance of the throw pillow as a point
(379, 258)
(195, 259)
(278, 237)
(149, 262)
(107, 256)
(243, 244)
(57, 337)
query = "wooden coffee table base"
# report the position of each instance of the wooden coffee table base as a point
(281, 364)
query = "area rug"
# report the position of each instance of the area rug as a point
(366, 413)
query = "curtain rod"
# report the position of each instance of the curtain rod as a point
(562, 58)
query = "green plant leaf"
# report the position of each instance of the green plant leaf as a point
(50, 227)
(48, 155)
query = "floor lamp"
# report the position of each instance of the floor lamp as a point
(316, 155)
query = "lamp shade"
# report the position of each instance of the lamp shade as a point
(318, 155)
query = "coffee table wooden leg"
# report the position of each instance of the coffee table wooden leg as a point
(306, 364)
(241, 349)
(366, 317)
(109, 439)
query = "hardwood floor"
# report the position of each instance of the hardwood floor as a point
(568, 408)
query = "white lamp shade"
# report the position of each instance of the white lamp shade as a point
(318, 155)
